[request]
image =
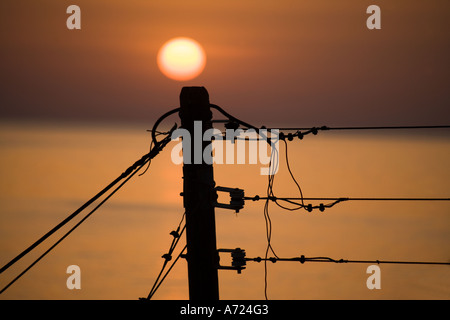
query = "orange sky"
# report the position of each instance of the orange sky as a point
(315, 62)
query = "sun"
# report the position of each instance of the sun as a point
(181, 59)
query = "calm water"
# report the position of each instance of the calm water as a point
(48, 171)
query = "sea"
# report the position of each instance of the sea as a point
(49, 169)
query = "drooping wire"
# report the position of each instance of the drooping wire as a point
(273, 168)
(322, 206)
(291, 174)
(271, 196)
(268, 223)
(298, 206)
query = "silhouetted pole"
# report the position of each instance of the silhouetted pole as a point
(198, 187)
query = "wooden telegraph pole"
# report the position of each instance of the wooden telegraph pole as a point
(198, 191)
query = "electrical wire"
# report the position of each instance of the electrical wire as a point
(81, 221)
(271, 196)
(274, 198)
(322, 207)
(232, 118)
(166, 274)
(301, 132)
(256, 198)
(302, 259)
(154, 131)
(273, 168)
(71, 230)
(326, 128)
(127, 175)
(168, 256)
(156, 146)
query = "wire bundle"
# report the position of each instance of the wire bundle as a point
(297, 202)
(156, 147)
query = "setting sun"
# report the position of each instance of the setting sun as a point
(181, 59)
